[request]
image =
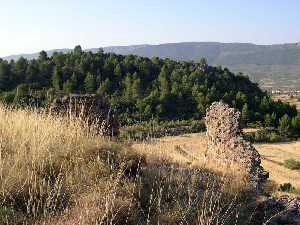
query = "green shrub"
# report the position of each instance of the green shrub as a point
(156, 129)
(267, 135)
(287, 187)
(292, 164)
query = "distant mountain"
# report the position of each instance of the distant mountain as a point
(273, 66)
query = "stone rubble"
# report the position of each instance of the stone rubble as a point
(277, 211)
(226, 144)
(90, 108)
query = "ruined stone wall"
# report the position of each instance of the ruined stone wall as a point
(227, 146)
(90, 108)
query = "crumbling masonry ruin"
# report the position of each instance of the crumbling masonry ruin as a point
(226, 144)
(91, 109)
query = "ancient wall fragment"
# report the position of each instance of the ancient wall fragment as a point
(227, 146)
(90, 108)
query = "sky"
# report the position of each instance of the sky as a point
(33, 25)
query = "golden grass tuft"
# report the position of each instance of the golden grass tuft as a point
(55, 170)
(47, 161)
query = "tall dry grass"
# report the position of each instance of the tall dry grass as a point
(55, 170)
(47, 161)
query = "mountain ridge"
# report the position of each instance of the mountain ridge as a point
(272, 66)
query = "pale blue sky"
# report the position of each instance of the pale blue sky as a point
(32, 25)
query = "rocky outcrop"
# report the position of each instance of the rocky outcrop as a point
(277, 211)
(91, 109)
(226, 144)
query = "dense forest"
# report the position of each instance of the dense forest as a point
(141, 89)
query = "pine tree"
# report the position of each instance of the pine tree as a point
(136, 88)
(163, 83)
(67, 87)
(104, 87)
(89, 83)
(295, 123)
(284, 125)
(268, 120)
(118, 72)
(74, 82)
(4, 76)
(245, 113)
(127, 86)
(56, 80)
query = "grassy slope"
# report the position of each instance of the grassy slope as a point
(273, 155)
(57, 171)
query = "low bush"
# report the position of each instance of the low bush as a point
(292, 164)
(265, 135)
(156, 129)
(287, 187)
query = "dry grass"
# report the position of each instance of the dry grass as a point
(189, 150)
(56, 171)
(287, 98)
(47, 163)
(273, 155)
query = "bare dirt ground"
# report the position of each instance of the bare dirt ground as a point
(186, 148)
(295, 100)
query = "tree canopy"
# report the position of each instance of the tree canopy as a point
(141, 88)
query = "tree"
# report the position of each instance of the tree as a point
(77, 50)
(295, 123)
(268, 120)
(245, 114)
(4, 76)
(136, 87)
(89, 83)
(74, 80)
(19, 69)
(284, 125)
(68, 88)
(104, 87)
(32, 72)
(163, 83)
(43, 56)
(56, 80)
(241, 99)
(118, 72)
(127, 87)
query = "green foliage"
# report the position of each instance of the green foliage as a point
(295, 124)
(292, 164)
(265, 135)
(245, 113)
(144, 89)
(155, 129)
(284, 125)
(56, 80)
(287, 187)
(89, 83)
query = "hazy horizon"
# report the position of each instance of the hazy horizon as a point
(33, 25)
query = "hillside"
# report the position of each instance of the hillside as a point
(55, 171)
(273, 66)
(139, 88)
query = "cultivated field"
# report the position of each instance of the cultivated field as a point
(186, 148)
(295, 100)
